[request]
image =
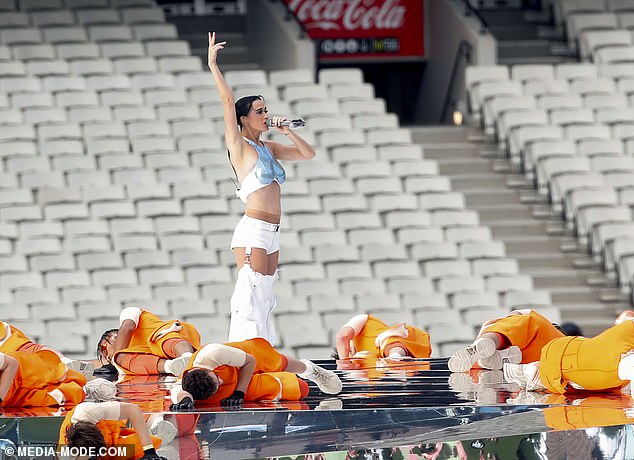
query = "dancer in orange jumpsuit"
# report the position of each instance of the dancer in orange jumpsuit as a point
(144, 344)
(98, 426)
(249, 370)
(516, 338)
(13, 339)
(604, 362)
(367, 333)
(38, 378)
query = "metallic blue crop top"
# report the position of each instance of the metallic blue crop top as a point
(266, 170)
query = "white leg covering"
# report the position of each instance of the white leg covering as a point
(626, 367)
(252, 304)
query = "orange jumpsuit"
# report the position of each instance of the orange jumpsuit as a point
(416, 341)
(115, 433)
(147, 339)
(528, 332)
(269, 381)
(38, 374)
(17, 340)
(591, 363)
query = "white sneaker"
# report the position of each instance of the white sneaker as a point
(533, 381)
(176, 366)
(492, 377)
(85, 368)
(164, 430)
(330, 404)
(511, 355)
(460, 382)
(326, 380)
(99, 390)
(464, 359)
(514, 373)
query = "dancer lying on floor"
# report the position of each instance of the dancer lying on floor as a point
(368, 334)
(38, 378)
(250, 370)
(604, 362)
(144, 344)
(516, 338)
(13, 339)
(97, 426)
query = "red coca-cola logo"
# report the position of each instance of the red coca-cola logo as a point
(349, 15)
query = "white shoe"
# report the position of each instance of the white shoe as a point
(514, 373)
(533, 381)
(99, 390)
(330, 404)
(460, 382)
(176, 366)
(164, 430)
(326, 380)
(511, 355)
(492, 377)
(464, 359)
(85, 368)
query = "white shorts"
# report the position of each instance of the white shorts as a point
(255, 233)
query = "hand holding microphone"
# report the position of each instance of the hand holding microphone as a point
(297, 123)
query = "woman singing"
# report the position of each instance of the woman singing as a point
(255, 241)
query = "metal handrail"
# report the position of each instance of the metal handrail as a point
(464, 51)
(471, 11)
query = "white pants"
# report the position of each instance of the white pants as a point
(252, 304)
(255, 233)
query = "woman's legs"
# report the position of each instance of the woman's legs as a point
(260, 261)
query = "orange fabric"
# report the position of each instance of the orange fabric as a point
(267, 378)
(138, 364)
(528, 332)
(115, 433)
(31, 347)
(145, 340)
(169, 346)
(16, 341)
(416, 343)
(37, 375)
(592, 363)
(591, 412)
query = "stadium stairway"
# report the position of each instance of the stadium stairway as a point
(518, 216)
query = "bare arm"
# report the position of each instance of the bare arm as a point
(132, 413)
(301, 150)
(8, 370)
(245, 373)
(345, 335)
(233, 138)
(124, 335)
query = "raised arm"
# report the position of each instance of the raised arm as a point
(128, 321)
(132, 413)
(233, 138)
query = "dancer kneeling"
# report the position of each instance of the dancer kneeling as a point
(603, 362)
(144, 344)
(367, 333)
(516, 338)
(97, 426)
(250, 370)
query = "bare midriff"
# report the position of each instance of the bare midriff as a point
(264, 204)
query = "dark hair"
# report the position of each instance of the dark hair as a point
(84, 434)
(570, 328)
(334, 354)
(103, 337)
(243, 106)
(199, 384)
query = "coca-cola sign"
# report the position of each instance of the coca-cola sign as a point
(362, 28)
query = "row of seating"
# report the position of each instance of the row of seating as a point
(86, 15)
(54, 5)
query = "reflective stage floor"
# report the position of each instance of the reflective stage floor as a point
(402, 410)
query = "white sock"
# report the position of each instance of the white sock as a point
(310, 369)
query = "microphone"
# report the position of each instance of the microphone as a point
(297, 123)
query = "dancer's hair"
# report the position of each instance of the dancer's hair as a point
(199, 384)
(84, 434)
(105, 336)
(243, 106)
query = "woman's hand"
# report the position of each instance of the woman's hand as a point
(277, 122)
(214, 47)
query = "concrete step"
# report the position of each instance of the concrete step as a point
(492, 213)
(516, 230)
(536, 245)
(483, 198)
(564, 278)
(441, 152)
(435, 134)
(453, 165)
(468, 183)
(540, 262)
